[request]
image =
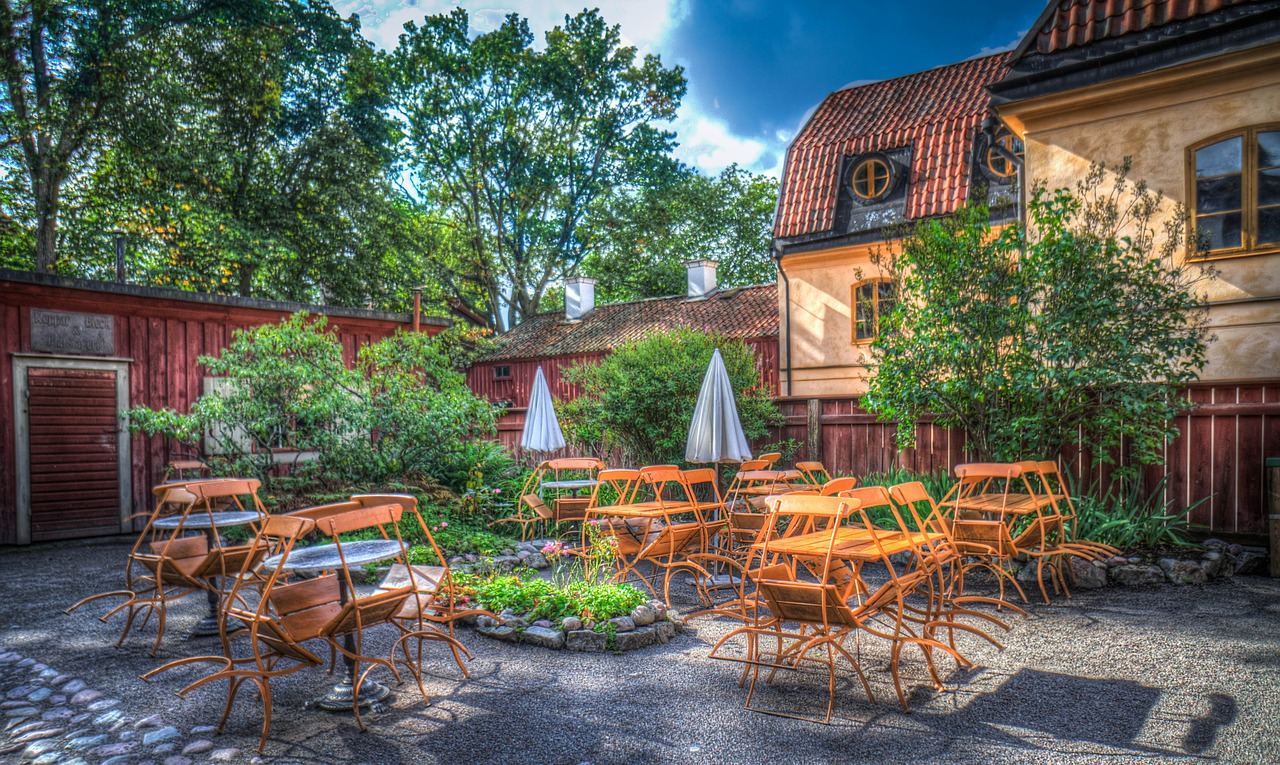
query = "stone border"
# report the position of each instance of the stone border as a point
(647, 625)
(1217, 560)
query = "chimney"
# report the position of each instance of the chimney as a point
(702, 277)
(579, 297)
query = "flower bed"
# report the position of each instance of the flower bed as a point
(576, 607)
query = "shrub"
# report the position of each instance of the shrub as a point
(641, 397)
(404, 410)
(1081, 323)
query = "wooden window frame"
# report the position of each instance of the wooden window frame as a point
(875, 311)
(501, 377)
(1248, 193)
(869, 162)
(992, 155)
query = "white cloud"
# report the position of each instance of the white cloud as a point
(707, 144)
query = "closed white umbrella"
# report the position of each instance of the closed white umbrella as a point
(715, 434)
(541, 429)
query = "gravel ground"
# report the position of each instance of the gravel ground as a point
(1142, 675)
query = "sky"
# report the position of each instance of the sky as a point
(755, 68)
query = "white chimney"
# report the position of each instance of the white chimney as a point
(702, 277)
(579, 297)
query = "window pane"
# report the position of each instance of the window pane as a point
(864, 312)
(1218, 194)
(1269, 225)
(1220, 232)
(1222, 157)
(1269, 186)
(1269, 149)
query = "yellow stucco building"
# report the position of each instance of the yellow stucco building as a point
(1187, 92)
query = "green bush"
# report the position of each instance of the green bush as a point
(404, 410)
(1126, 517)
(543, 599)
(641, 397)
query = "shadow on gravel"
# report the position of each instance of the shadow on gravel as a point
(1107, 712)
(1222, 712)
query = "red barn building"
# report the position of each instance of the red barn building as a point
(77, 354)
(585, 332)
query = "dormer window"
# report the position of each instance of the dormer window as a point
(873, 178)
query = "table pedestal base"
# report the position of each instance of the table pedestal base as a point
(372, 694)
(206, 627)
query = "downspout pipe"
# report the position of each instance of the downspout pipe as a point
(786, 300)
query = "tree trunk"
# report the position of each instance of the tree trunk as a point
(46, 230)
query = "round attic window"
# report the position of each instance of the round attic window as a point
(998, 164)
(871, 179)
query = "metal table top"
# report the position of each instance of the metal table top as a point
(326, 558)
(577, 483)
(202, 520)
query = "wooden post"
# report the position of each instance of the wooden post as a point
(1272, 480)
(815, 430)
(417, 309)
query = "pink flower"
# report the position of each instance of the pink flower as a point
(444, 524)
(552, 548)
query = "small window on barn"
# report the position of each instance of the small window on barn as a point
(502, 373)
(1235, 192)
(873, 177)
(871, 301)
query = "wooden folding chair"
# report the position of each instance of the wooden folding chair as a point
(436, 603)
(813, 473)
(278, 622)
(816, 609)
(540, 514)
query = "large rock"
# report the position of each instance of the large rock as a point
(643, 616)
(1137, 575)
(537, 561)
(1186, 572)
(1089, 575)
(665, 630)
(622, 623)
(571, 624)
(1217, 565)
(503, 564)
(543, 636)
(586, 640)
(499, 631)
(637, 638)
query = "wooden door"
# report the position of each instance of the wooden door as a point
(73, 427)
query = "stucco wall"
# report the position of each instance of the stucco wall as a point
(824, 360)
(1153, 120)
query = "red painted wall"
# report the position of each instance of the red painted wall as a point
(163, 332)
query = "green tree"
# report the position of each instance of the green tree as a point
(640, 238)
(641, 397)
(258, 163)
(68, 68)
(515, 144)
(1083, 322)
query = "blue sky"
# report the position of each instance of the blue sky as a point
(755, 67)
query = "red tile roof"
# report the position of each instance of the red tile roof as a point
(741, 312)
(1072, 23)
(936, 113)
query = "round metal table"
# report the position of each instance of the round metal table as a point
(209, 523)
(572, 485)
(313, 560)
